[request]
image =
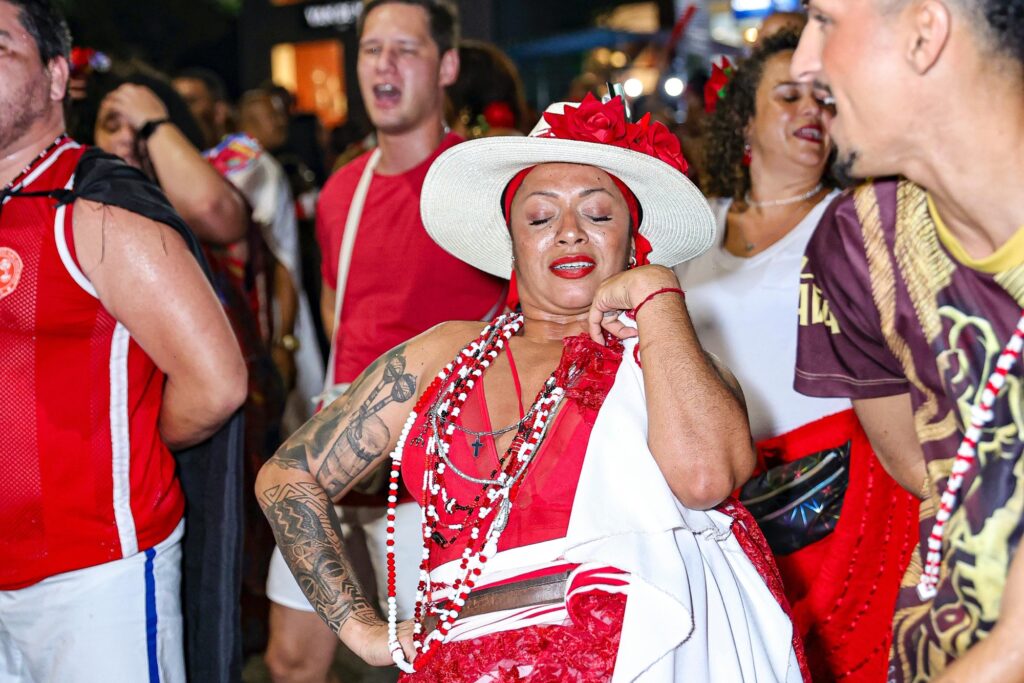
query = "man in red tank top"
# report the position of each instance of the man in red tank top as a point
(100, 383)
(398, 283)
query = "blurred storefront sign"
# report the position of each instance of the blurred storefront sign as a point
(335, 14)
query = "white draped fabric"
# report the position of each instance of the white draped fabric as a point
(697, 611)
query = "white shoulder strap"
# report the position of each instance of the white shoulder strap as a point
(348, 241)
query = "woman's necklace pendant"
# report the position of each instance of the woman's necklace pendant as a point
(504, 510)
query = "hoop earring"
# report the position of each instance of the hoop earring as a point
(632, 261)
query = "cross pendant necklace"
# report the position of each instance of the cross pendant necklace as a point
(477, 445)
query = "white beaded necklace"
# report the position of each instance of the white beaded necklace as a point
(769, 203)
(452, 386)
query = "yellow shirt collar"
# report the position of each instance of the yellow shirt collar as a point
(1002, 259)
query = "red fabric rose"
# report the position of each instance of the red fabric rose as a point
(714, 89)
(499, 115)
(592, 121)
(655, 140)
(666, 147)
(605, 123)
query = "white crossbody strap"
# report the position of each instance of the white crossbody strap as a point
(348, 241)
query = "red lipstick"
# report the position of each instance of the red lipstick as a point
(573, 267)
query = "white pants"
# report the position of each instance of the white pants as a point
(118, 622)
(283, 589)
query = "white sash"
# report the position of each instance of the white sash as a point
(348, 241)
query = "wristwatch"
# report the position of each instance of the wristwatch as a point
(288, 342)
(149, 127)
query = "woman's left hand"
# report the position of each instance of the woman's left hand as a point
(137, 104)
(623, 292)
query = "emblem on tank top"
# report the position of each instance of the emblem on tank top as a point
(10, 270)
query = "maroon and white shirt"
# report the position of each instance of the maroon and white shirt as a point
(84, 476)
(898, 307)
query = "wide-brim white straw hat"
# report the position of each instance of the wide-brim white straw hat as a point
(461, 201)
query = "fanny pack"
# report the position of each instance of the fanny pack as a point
(798, 503)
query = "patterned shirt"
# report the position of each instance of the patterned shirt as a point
(897, 307)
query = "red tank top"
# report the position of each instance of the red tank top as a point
(84, 476)
(541, 510)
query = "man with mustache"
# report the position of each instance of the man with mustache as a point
(918, 288)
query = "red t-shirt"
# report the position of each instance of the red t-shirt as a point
(400, 282)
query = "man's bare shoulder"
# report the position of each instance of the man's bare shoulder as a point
(100, 228)
(115, 246)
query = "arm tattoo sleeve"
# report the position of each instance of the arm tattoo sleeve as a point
(334, 449)
(307, 531)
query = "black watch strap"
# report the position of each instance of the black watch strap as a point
(149, 127)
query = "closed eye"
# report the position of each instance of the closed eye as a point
(600, 219)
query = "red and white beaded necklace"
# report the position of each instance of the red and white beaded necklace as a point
(981, 415)
(451, 387)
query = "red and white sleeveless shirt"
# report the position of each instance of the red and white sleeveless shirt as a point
(84, 476)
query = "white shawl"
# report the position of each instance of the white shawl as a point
(697, 610)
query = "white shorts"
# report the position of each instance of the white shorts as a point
(118, 621)
(284, 590)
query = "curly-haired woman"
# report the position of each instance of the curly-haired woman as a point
(840, 527)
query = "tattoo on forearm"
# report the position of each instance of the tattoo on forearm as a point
(307, 531)
(337, 447)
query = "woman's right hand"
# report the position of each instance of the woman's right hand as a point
(373, 647)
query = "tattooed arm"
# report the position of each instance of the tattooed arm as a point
(320, 463)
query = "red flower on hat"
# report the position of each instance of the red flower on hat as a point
(591, 121)
(665, 146)
(715, 88)
(605, 123)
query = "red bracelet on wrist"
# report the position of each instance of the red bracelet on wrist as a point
(665, 290)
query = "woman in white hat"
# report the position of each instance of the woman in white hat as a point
(569, 457)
